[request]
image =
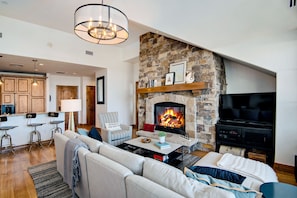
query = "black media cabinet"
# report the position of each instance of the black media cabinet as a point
(251, 138)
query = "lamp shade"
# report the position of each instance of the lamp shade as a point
(71, 105)
(101, 24)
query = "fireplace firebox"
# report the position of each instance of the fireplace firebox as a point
(170, 117)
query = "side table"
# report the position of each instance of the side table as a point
(278, 189)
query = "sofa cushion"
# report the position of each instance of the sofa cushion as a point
(130, 160)
(106, 177)
(83, 131)
(174, 179)
(71, 134)
(92, 143)
(238, 190)
(138, 186)
(149, 127)
(93, 133)
(219, 173)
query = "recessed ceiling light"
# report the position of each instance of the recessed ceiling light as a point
(40, 64)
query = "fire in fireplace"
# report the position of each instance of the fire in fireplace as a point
(170, 117)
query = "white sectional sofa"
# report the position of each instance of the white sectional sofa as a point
(107, 171)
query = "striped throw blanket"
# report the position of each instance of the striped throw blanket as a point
(71, 162)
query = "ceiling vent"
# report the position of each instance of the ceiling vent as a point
(89, 53)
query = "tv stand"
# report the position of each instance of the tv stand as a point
(251, 138)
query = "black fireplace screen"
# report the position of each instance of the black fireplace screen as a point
(170, 117)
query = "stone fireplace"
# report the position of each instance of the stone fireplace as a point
(156, 54)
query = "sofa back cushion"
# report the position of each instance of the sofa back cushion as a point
(138, 186)
(92, 143)
(71, 134)
(106, 177)
(130, 160)
(174, 179)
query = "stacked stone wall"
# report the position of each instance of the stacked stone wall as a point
(157, 53)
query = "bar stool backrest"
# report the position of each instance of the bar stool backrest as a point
(53, 114)
(31, 115)
(3, 118)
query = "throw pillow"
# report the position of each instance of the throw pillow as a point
(238, 190)
(95, 134)
(219, 174)
(82, 131)
(113, 126)
(149, 127)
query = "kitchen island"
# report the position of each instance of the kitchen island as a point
(21, 134)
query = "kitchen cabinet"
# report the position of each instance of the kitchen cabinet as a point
(20, 92)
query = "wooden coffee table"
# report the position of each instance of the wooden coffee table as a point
(151, 150)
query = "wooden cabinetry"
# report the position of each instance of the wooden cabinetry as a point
(38, 96)
(20, 92)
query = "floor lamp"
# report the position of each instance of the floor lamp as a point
(71, 105)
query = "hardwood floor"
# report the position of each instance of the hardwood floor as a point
(16, 182)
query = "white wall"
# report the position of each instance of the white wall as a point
(242, 79)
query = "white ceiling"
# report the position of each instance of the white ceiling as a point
(202, 20)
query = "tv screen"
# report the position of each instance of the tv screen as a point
(248, 108)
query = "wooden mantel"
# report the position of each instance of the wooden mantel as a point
(194, 87)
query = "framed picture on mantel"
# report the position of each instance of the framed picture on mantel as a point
(169, 79)
(180, 71)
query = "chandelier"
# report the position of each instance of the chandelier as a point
(101, 24)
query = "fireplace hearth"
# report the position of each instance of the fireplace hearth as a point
(170, 117)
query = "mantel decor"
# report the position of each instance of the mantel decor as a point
(180, 71)
(169, 79)
(101, 24)
(100, 90)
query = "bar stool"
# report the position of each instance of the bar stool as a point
(29, 116)
(6, 136)
(56, 129)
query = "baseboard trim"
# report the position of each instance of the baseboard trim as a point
(284, 168)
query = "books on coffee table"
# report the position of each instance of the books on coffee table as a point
(164, 145)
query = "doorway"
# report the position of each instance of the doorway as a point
(67, 92)
(90, 103)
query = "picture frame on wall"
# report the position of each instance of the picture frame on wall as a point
(180, 71)
(169, 78)
(100, 90)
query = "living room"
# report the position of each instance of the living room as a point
(275, 53)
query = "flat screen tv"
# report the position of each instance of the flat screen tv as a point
(249, 108)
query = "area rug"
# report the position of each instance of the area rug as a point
(48, 182)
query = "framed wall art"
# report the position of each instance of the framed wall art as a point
(100, 90)
(169, 78)
(180, 71)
